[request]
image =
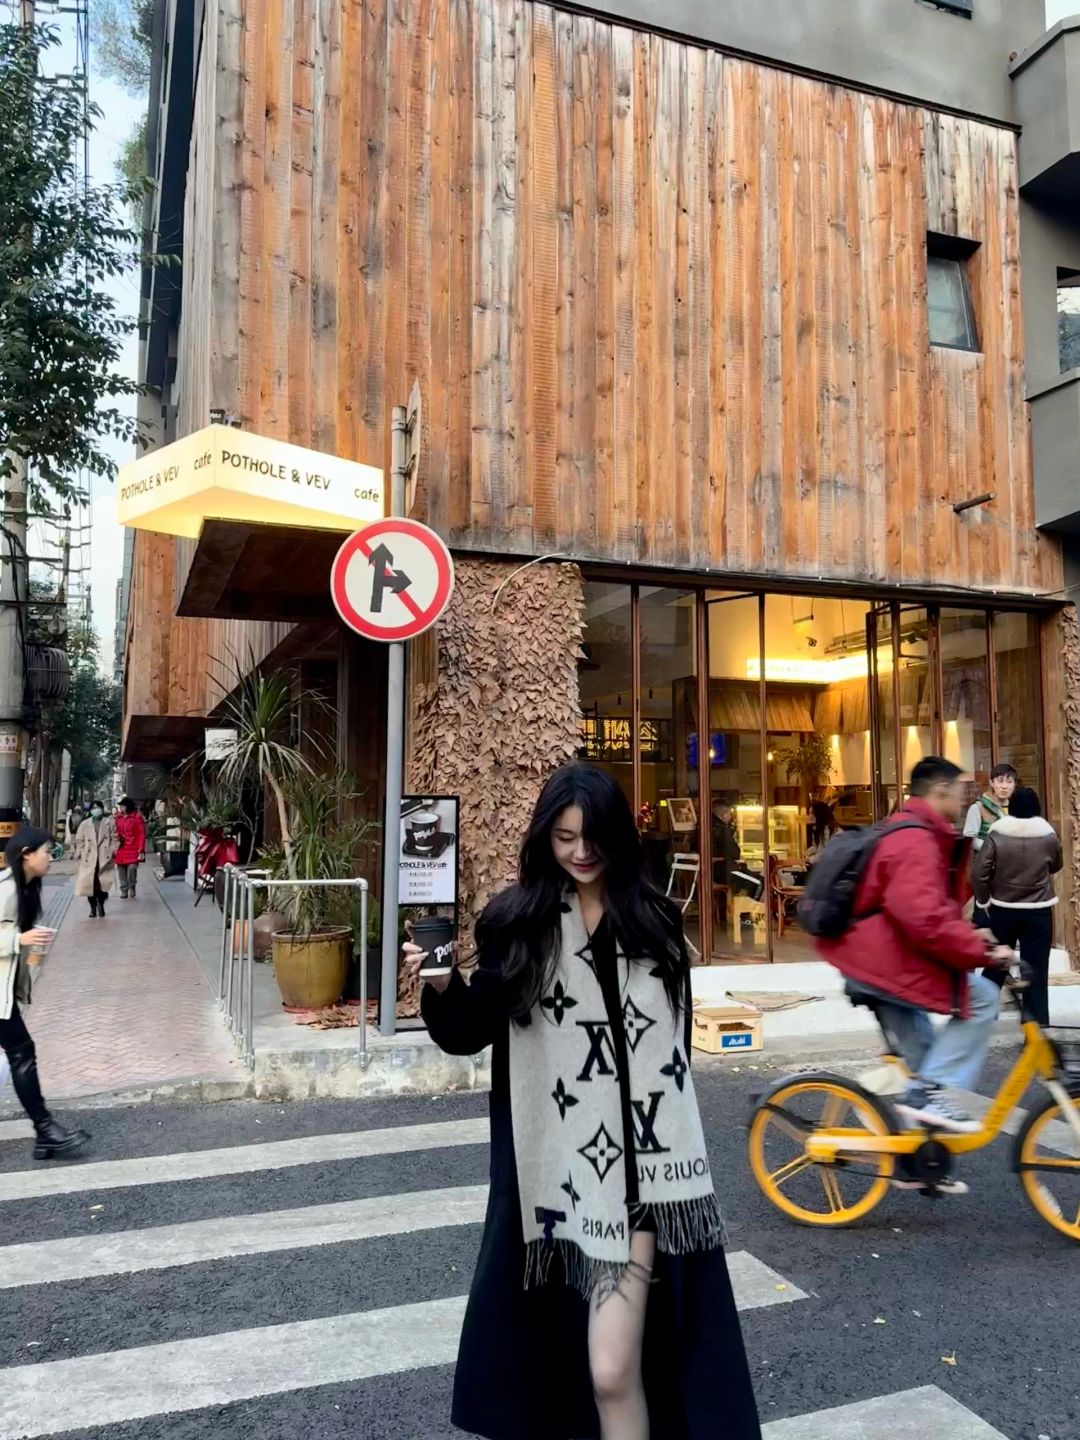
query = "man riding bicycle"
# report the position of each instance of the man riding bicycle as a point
(910, 947)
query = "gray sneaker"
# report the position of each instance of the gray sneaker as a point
(928, 1106)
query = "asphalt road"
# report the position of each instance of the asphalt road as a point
(973, 1295)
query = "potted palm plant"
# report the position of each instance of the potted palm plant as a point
(315, 946)
(811, 762)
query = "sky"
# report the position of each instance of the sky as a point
(120, 113)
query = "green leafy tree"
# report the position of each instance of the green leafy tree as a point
(61, 332)
(123, 41)
(88, 724)
(123, 38)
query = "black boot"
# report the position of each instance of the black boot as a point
(53, 1140)
(93, 909)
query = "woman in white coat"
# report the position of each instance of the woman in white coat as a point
(26, 857)
(96, 844)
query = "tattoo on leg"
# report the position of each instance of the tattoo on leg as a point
(610, 1284)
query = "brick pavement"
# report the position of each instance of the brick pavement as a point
(123, 1004)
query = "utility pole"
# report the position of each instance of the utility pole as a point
(14, 577)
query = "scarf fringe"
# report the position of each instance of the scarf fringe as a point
(683, 1227)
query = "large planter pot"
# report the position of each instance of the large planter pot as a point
(265, 928)
(311, 970)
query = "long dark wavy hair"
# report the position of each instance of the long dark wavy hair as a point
(520, 927)
(25, 840)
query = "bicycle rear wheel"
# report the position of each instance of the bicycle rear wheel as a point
(1048, 1159)
(815, 1194)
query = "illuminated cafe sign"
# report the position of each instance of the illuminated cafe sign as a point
(220, 473)
(607, 737)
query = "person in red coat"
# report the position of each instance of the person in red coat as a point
(910, 945)
(131, 828)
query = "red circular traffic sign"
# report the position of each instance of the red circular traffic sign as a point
(392, 580)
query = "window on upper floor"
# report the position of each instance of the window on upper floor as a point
(1068, 318)
(948, 293)
(955, 7)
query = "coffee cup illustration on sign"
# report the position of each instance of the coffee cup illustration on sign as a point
(422, 830)
(435, 937)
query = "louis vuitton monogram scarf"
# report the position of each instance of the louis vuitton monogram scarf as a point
(567, 1111)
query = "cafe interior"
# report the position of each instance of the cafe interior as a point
(817, 707)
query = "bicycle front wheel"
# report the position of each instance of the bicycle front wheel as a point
(1048, 1159)
(815, 1194)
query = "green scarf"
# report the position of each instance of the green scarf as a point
(990, 812)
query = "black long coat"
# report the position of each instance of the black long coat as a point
(523, 1367)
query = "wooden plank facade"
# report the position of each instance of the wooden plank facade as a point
(665, 305)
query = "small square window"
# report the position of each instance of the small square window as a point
(1068, 317)
(948, 293)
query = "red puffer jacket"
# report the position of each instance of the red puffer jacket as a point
(132, 832)
(913, 941)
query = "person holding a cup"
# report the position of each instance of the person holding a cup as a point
(27, 856)
(601, 1307)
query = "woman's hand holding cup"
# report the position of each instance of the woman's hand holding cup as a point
(37, 941)
(414, 959)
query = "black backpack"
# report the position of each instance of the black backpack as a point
(826, 907)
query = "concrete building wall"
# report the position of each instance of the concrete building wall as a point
(907, 47)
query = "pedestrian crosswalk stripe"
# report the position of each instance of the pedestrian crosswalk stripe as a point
(756, 1286)
(243, 1364)
(14, 1129)
(218, 1370)
(911, 1415)
(166, 1247)
(163, 1247)
(76, 1177)
(1056, 1136)
(215, 1370)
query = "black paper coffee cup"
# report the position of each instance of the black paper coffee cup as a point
(422, 831)
(435, 936)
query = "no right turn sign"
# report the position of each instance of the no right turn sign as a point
(392, 580)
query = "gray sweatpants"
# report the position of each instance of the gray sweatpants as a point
(129, 876)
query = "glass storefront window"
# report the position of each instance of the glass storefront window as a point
(817, 732)
(606, 682)
(882, 660)
(668, 723)
(1019, 711)
(915, 691)
(736, 785)
(965, 697)
(787, 720)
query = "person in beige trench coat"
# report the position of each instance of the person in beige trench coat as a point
(96, 844)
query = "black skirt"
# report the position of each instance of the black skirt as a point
(523, 1363)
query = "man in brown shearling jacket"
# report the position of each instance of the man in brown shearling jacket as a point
(1011, 877)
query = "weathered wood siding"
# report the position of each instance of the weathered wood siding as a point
(664, 304)
(203, 653)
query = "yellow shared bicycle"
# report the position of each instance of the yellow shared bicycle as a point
(826, 1150)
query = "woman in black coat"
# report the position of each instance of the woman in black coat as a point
(635, 1332)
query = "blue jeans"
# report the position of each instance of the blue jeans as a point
(951, 1054)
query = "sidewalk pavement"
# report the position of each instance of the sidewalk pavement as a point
(122, 1007)
(126, 1009)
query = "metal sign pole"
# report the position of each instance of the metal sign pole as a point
(395, 749)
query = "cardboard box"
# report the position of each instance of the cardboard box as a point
(718, 1029)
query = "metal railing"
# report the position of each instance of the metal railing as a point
(236, 977)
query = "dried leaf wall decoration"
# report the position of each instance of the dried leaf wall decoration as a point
(502, 712)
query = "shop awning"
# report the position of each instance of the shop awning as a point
(260, 572)
(220, 473)
(165, 739)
